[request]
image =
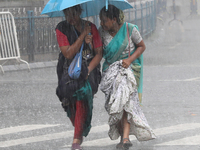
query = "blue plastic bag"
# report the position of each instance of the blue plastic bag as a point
(74, 69)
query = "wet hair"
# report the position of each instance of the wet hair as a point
(77, 8)
(112, 12)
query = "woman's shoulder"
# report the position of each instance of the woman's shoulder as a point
(62, 24)
(134, 26)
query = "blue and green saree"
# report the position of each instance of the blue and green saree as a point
(114, 51)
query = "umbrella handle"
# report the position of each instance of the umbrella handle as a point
(90, 26)
(106, 4)
(90, 34)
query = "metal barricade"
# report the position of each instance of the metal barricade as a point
(9, 48)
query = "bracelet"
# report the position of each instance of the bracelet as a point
(80, 39)
(88, 74)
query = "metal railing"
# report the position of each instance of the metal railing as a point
(144, 17)
(36, 33)
(9, 48)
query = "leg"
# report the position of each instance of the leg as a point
(80, 118)
(126, 126)
(126, 130)
(120, 127)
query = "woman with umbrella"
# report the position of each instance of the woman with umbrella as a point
(122, 77)
(78, 104)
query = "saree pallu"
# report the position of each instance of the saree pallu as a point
(114, 52)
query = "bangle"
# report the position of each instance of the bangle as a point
(80, 39)
(88, 74)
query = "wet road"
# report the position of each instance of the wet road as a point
(32, 118)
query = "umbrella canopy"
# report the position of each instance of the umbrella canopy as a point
(54, 8)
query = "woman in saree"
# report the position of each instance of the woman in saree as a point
(121, 80)
(77, 95)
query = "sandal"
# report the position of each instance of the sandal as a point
(126, 144)
(76, 146)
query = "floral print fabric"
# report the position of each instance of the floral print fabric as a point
(120, 89)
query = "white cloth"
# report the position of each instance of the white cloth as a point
(120, 88)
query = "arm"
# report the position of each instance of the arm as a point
(140, 48)
(69, 51)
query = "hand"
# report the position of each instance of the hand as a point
(87, 29)
(125, 63)
(88, 39)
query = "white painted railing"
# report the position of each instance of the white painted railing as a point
(9, 48)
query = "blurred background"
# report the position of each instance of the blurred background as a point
(36, 32)
(31, 115)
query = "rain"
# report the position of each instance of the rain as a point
(31, 114)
